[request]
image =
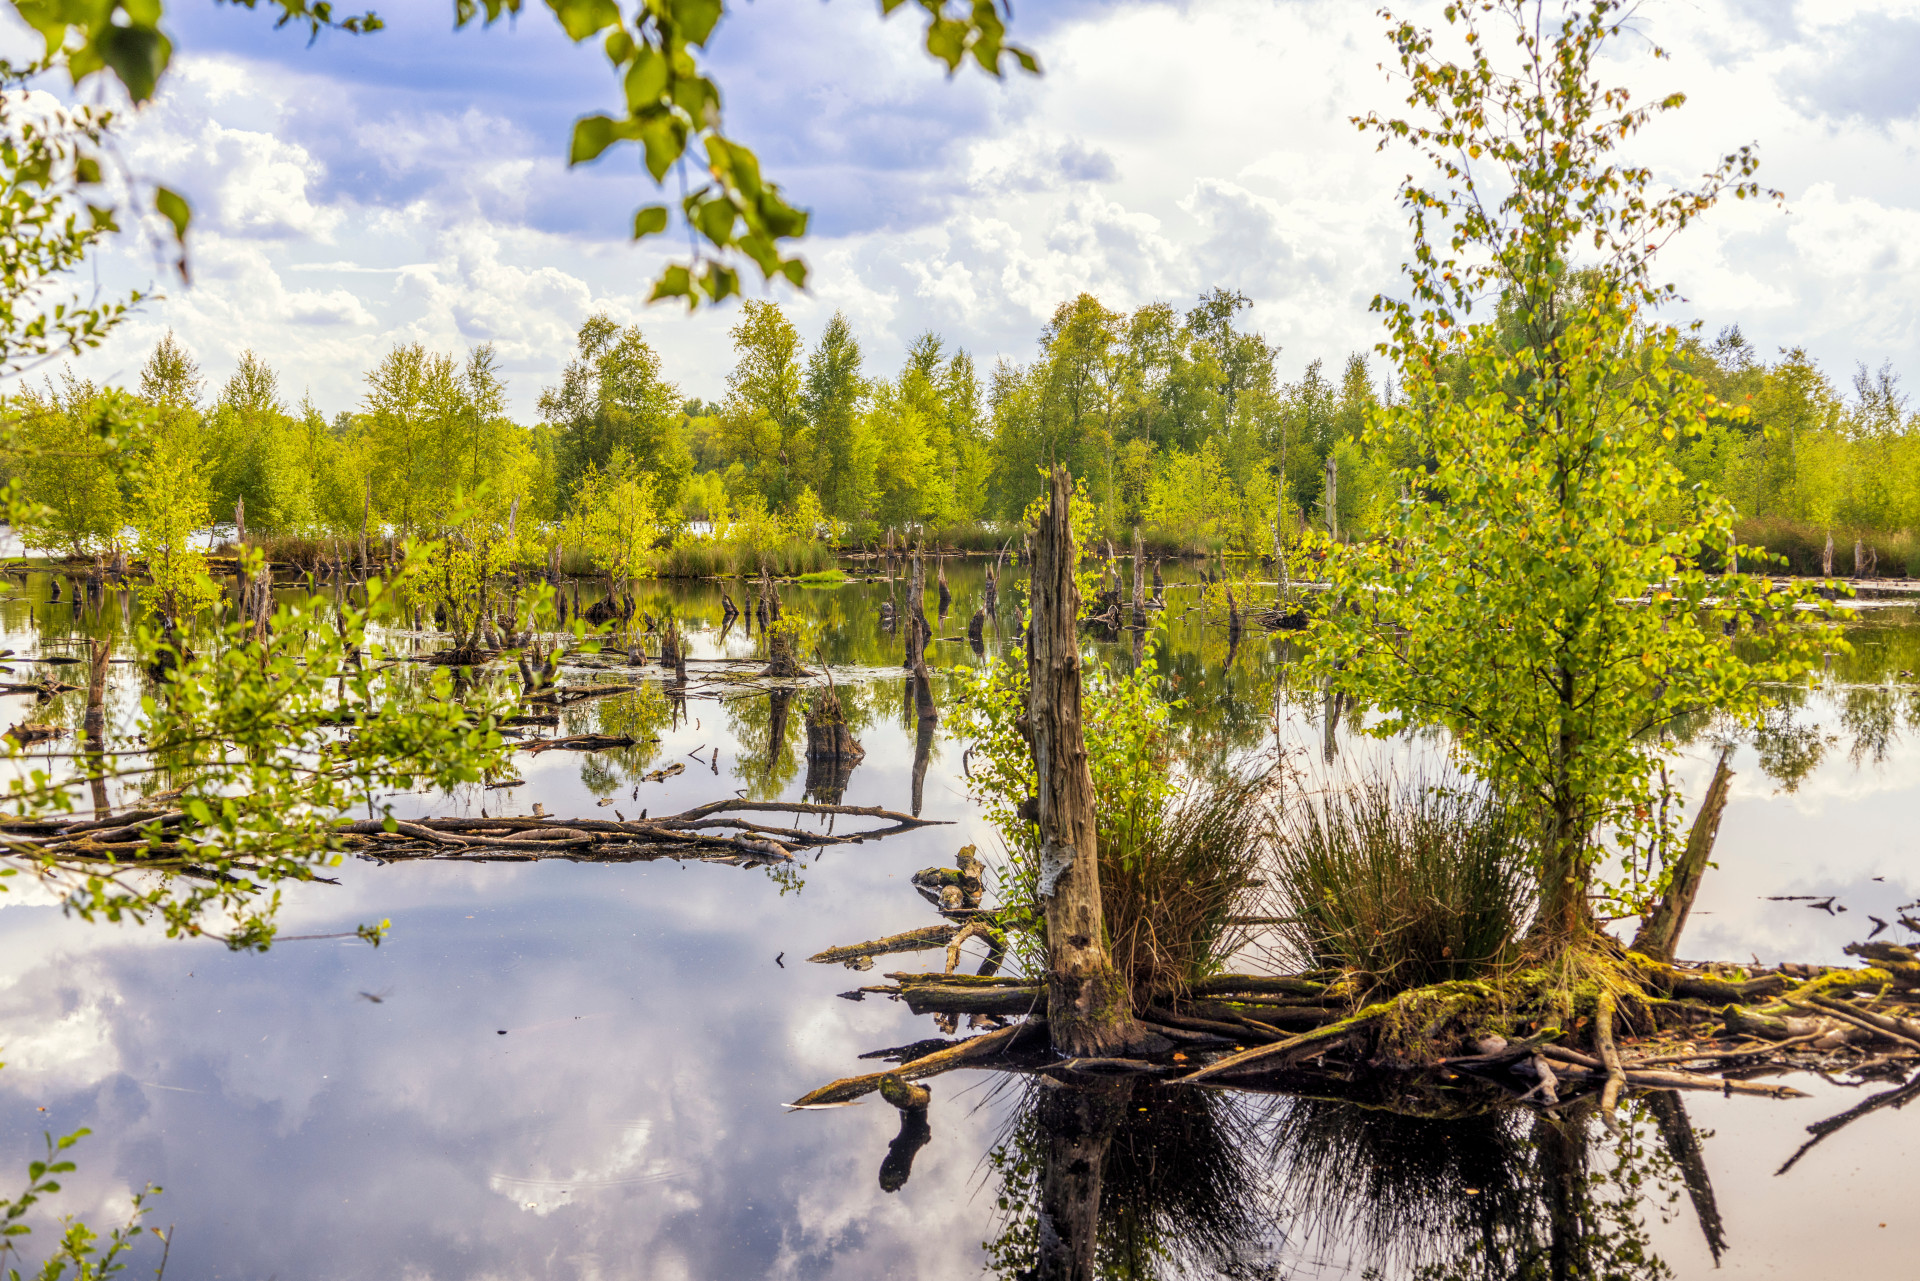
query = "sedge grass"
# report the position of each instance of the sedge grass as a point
(1401, 885)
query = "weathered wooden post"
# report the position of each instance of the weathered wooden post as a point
(1139, 581)
(1088, 1005)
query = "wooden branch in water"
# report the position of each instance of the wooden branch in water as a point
(577, 693)
(1894, 1098)
(944, 998)
(577, 743)
(969, 1051)
(1585, 1066)
(1878, 1024)
(924, 939)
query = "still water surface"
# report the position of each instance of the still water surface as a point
(577, 1071)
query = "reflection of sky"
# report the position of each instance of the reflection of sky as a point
(629, 1123)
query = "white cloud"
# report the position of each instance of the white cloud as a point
(1167, 149)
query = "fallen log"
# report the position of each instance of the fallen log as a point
(577, 693)
(579, 743)
(970, 1051)
(925, 939)
(928, 998)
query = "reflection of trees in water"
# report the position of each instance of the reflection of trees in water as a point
(1871, 717)
(1172, 1172)
(1788, 750)
(768, 741)
(1126, 1178)
(1456, 1192)
(639, 715)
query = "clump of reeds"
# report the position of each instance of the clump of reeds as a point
(695, 558)
(1403, 884)
(1172, 887)
(711, 558)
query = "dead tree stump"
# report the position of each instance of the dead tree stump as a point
(1089, 1007)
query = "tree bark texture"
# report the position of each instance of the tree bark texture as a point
(1090, 1010)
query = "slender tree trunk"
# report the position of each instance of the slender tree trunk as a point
(240, 542)
(1333, 496)
(1088, 1004)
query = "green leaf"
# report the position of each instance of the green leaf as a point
(591, 136)
(136, 54)
(696, 18)
(584, 18)
(175, 209)
(650, 221)
(674, 282)
(646, 79)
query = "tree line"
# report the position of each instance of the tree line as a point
(1175, 422)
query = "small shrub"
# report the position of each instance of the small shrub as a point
(1402, 885)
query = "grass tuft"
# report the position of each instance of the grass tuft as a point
(1403, 885)
(1171, 888)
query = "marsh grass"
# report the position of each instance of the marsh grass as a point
(1172, 886)
(1896, 553)
(708, 558)
(1403, 884)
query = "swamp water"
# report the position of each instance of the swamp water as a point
(562, 1070)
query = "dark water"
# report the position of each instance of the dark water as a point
(629, 1122)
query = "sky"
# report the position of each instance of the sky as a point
(410, 186)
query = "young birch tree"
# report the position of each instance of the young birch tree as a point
(1533, 593)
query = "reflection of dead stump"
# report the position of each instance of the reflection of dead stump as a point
(915, 1133)
(946, 596)
(977, 631)
(922, 753)
(778, 701)
(828, 776)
